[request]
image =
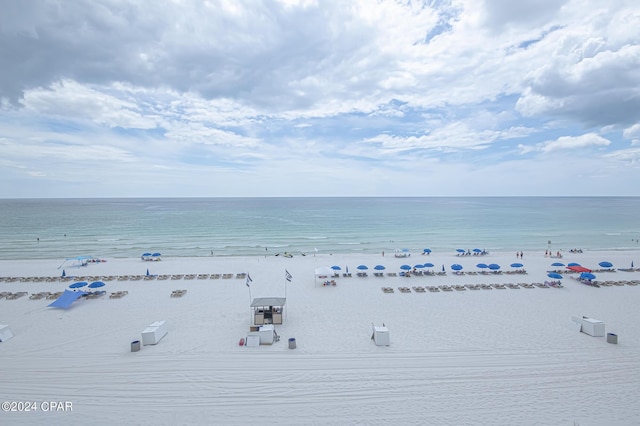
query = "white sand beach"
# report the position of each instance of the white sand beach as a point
(509, 356)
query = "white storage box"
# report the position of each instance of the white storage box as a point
(266, 334)
(154, 333)
(381, 336)
(5, 333)
(253, 339)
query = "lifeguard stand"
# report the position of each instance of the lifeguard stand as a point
(268, 310)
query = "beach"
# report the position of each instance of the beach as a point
(498, 356)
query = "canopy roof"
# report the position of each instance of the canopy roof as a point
(66, 299)
(578, 268)
(268, 301)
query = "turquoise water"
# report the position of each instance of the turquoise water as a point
(59, 228)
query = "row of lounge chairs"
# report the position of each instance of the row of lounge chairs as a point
(107, 278)
(460, 287)
(12, 296)
(118, 294)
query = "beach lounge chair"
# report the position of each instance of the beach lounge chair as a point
(387, 289)
(215, 276)
(404, 289)
(178, 293)
(203, 276)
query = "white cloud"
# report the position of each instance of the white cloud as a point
(272, 92)
(568, 143)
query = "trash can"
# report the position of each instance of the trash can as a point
(292, 343)
(612, 338)
(135, 346)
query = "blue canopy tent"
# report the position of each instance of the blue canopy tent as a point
(66, 299)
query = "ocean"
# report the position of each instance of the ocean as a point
(61, 228)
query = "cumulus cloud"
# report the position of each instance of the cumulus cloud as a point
(279, 87)
(587, 140)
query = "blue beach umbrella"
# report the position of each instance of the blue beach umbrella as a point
(554, 275)
(587, 276)
(557, 264)
(482, 266)
(494, 266)
(606, 264)
(405, 267)
(363, 267)
(461, 250)
(517, 265)
(456, 267)
(78, 284)
(418, 266)
(573, 264)
(427, 250)
(96, 284)
(428, 265)
(336, 268)
(477, 250)
(379, 268)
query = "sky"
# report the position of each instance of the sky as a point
(232, 98)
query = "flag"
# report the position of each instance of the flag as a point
(248, 279)
(287, 275)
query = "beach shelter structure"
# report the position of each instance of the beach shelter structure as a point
(66, 299)
(76, 261)
(323, 273)
(268, 310)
